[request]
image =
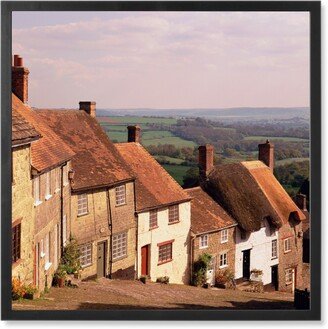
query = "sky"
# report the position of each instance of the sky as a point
(165, 60)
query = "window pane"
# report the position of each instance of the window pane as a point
(173, 214)
(85, 254)
(120, 194)
(82, 204)
(165, 253)
(153, 219)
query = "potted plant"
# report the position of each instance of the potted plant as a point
(60, 276)
(31, 292)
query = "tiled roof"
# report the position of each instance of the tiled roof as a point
(22, 131)
(49, 150)
(96, 162)
(250, 192)
(206, 214)
(154, 186)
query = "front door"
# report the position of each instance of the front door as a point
(246, 263)
(101, 259)
(274, 276)
(145, 260)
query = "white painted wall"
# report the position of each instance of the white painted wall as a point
(260, 243)
(177, 270)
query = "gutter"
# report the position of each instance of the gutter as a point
(162, 206)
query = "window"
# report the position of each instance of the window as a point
(203, 241)
(36, 190)
(64, 230)
(82, 204)
(289, 275)
(85, 255)
(65, 175)
(42, 249)
(287, 245)
(153, 219)
(57, 179)
(16, 243)
(224, 236)
(48, 187)
(120, 195)
(47, 251)
(174, 214)
(274, 253)
(223, 260)
(119, 245)
(165, 253)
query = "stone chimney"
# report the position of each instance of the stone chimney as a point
(266, 154)
(205, 160)
(89, 107)
(300, 200)
(134, 134)
(19, 79)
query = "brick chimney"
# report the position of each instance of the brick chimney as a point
(300, 201)
(205, 160)
(266, 154)
(89, 107)
(19, 79)
(134, 134)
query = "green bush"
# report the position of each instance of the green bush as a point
(200, 270)
(70, 260)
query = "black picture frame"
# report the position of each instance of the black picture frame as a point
(313, 7)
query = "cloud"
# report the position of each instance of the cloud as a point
(169, 59)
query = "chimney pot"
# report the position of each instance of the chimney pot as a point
(88, 107)
(205, 160)
(134, 134)
(19, 79)
(266, 154)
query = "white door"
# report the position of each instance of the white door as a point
(293, 280)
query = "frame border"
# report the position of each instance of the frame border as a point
(313, 7)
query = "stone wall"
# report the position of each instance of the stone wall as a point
(23, 212)
(215, 248)
(293, 258)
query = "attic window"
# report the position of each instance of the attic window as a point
(287, 245)
(173, 214)
(82, 204)
(153, 219)
(120, 195)
(203, 243)
(224, 236)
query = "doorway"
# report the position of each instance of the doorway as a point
(274, 276)
(101, 249)
(246, 263)
(145, 260)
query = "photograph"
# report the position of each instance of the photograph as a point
(161, 160)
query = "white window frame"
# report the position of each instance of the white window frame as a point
(120, 245)
(64, 230)
(48, 185)
(42, 254)
(47, 257)
(167, 252)
(224, 236)
(82, 204)
(85, 254)
(36, 190)
(223, 260)
(274, 249)
(120, 195)
(174, 214)
(203, 241)
(287, 245)
(153, 219)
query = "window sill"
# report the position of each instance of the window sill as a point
(65, 184)
(287, 251)
(120, 205)
(85, 266)
(84, 214)
(47, 197)
(288, 283)
(153, 228)
(37, 203)
(274, 258)
(18, 261)
(175, 222)
(222, 242)
(167, 261)
(203, 247)
(223, 266)
(42, 254)
(57, 190)
(119, 258)
(47, 266)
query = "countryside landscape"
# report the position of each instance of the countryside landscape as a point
(172, 137)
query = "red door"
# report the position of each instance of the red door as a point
(144, 260)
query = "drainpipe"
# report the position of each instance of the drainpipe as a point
(61, 210)
(110, 225)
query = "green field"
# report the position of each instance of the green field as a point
(138, 120)
(290, 160)
(285, 139)
(177, 172)
(170, 159)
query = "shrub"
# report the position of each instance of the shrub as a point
(200, 270)
(163, 279)
(18, 290)
(222, 277)
(71, 257)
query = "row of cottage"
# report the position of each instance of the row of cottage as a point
(129, 216)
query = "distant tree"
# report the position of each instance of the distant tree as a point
(191, 178)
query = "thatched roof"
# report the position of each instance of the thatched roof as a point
(250, 192)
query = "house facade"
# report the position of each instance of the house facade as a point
(102, 195)
(162, 215)
(213, 232)
(269, 234)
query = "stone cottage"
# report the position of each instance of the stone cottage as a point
(48, 174)
(162, 212)
(213, 232)
(103, 199)
(269, 233)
